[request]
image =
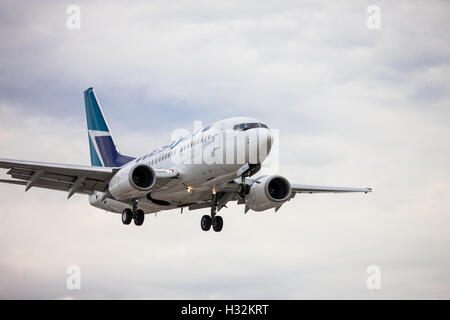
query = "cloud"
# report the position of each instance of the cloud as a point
(354, 107)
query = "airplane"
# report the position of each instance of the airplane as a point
(171, 177)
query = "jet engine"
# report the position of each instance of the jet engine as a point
(132, 182)
(268, 192)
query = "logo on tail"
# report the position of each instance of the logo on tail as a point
(102, 147)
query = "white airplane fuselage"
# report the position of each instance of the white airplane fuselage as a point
(205, 159)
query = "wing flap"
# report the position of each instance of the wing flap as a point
(89, 184)
(100, 173)
(17, 182)
(46, 184)
(27, 174)
(70, 178)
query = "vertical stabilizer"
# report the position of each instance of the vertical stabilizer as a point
(101, 143)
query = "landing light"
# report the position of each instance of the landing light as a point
(189, 189)
(213, 191)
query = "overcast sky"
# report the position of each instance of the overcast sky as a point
(355, 107)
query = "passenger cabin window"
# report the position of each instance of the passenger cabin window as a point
(246, 126)
(207, 128)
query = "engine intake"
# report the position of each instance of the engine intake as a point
(270, 192)
(143, 177)
(132, 182)
(278, 189)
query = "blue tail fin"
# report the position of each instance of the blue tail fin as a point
(101, 143)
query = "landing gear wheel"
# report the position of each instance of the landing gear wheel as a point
(206, 223)
(127, 216)
(217, 223)
(138, 217)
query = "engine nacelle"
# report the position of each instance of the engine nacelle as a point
(270, 192)
(132, 182)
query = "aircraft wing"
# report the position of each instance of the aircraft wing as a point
(70, 178)
(298, 188)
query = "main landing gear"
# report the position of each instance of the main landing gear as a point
(215, 221)
(137, 216)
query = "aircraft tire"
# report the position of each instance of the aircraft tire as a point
(127, 216)
(217, 223)
(139, 217)
(205, 223)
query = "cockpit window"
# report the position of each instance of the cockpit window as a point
(252, 125)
